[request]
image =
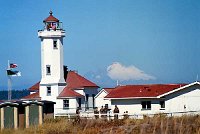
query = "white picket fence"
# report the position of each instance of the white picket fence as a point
(109, 115)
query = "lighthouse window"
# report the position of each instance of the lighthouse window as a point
(55, 44)
(48, 91)
(48, 69)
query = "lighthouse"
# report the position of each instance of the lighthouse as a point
(52, 74)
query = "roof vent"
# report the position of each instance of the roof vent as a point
(156, 92)
(147, 88)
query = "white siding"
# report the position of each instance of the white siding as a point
(59, 107)
(54, 92)
(133, 106)
(184, 100)
(80, 91)
(100, 101)
(52, 58)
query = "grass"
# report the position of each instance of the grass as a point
(149, 125)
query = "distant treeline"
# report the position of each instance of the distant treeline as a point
(16, 94)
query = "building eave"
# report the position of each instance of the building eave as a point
(74, 97)
(102, 90)
(66, 97)
(175, 90)
(131, 98)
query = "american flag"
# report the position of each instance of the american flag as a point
(13, 65)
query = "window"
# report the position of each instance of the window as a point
(65, 104)
(162, 104)
(48, 69)
(55, 44)
(48, 91)
(146, 104)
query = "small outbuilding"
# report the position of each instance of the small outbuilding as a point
(33, 113)
(22, 114)
(9, 115)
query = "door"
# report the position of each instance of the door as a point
(34, 115)
(8, 117)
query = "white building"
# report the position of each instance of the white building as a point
(156, 98)
(100, 98)
(67, 89)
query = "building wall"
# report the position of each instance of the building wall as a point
(74, 102)
(55, 91)
(54, 58)
(133, 106)
(80, 91)
(73, 105)
(100, 101)
(184, 100)
(59, 106)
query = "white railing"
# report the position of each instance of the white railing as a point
(72, 111)
(109, 115)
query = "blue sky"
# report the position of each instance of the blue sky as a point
(158, 40)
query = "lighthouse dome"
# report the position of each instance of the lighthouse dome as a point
(51, 18)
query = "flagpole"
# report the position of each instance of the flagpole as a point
(9, 84)
(8, 64)
(9, 88)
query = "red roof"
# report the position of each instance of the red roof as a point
(32, 96)
(67, 92)
(35, 87)
(74, 80)
(108, 89)
(51, 18)
(143, 91)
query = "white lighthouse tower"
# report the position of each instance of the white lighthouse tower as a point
(52, 81)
